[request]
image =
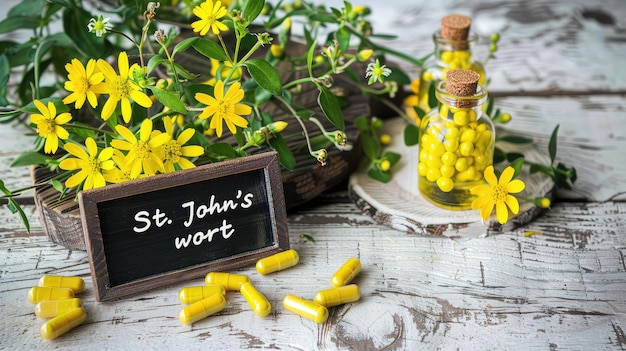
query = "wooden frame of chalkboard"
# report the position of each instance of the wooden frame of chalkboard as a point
(156, 231)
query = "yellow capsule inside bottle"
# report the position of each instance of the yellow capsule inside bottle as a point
(230, 282)
(41, 293)
(77, 284)
(305, 308)
(277, 262)
(191, 294)
(53, 308)
(338, 296)
(62, 323)
(202, 309)
(257, 301)
(346, 273)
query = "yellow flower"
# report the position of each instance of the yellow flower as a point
(141, 156)
(175, 151)
(83, 83)
(224, 107)
(221, 70)
(497, 193)
(209, 14)
(49, 125)
(90, 163)
(121, 88)
(120, 173)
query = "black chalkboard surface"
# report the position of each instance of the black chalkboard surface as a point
(159, 230)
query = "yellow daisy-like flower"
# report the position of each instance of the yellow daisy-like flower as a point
(91, 164)
(120, 173)
(50, 126)
(497, 193)
(175, 151)
(121, 88)
(224, 107)
(142, 154)
(209, 14)
(84, 83)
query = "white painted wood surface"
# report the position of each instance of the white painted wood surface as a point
(560, 62)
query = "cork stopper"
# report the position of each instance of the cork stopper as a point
(462, 82)
(455, 27)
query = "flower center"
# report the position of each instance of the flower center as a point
(120, 88)
(46, 127)
(142, 151)
(94, 165)
(172, 152)
(226, 109)
(499, 193)
(83, 85)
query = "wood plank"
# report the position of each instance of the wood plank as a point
(563, 287)
(546, 46)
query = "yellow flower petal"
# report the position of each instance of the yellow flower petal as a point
(506, 176)
(516, 186)
(513, 204)
(490, 176)
(502, 213)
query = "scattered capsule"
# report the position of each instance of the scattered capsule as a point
(346, 273)
(338, 296)
(77, 284)
(277, 262)
(202, 309)
(256, 300)
(305, 308)
(63, 323)
(230, 282)
(191, 294)
(41, 293)
(53, 308)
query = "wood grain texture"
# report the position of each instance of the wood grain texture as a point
(563, 287)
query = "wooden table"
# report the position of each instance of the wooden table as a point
(560, 62)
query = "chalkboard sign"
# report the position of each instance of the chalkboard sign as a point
(156, 231)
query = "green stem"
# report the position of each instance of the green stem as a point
(295, 115)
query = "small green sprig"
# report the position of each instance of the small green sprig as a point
(380, 161)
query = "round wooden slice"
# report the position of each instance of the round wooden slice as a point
(399, 204)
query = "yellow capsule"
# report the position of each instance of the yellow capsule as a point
(42, 293)
(448, 158)
(432, 174)
(277, 262)
(422, 169)
(337, 296)
(305, 308)
(445, 184)
(53, 308)
(191, 294)
(230, 282)
(256, 300)
(56, 281)
(63, 323)
(346, 273)
(447, 171)
(202, 309)
(466, 148)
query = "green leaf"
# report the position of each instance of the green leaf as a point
(371, 147)
(305, 114)
(515, 139)
(512, 156)
(317, 142)
(552, 145)
(498, 155)
(154, 62)
(10, 24)
(411, 134)
(184, 45)
(30, 158)
(309, 58)
(285, 155)
(170, 100)
(15, 207)
(253, 9)
(265, 75)
(379, 175)
(330, 106)
(490, 108)
(343, 38)
(58, 104)
(210, 49)
(420, 113)
(517, 166)
(361, 124)
(307, 237)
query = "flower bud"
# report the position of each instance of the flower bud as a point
(321, 156)
(277, 51)
(258, 138)
(340, 138)
(385, 165)
(542, 202)
(277, 127)
(364, 55)
(377, 123)
(160, 36)
(385, 139)
(495, 37)
(286, 24)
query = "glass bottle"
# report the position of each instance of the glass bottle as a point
(456, 142)
(453, 50)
